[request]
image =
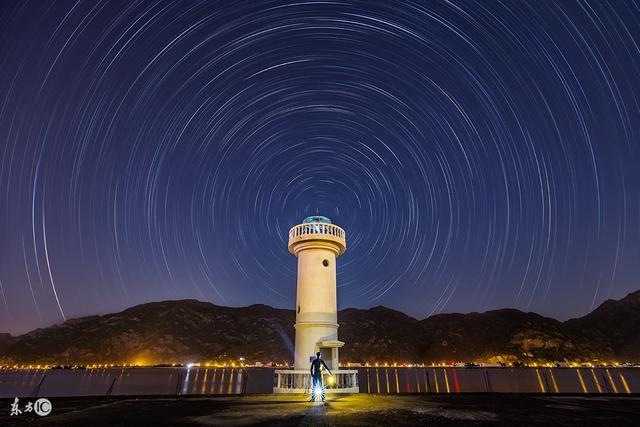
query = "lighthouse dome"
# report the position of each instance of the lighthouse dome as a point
(316, 218)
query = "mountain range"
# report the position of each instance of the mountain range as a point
(190, 330)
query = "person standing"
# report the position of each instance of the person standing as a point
(316, 374)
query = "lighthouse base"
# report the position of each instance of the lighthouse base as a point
(299, 381)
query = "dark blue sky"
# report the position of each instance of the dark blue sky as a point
(479, 154)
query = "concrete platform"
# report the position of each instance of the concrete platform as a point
(357, 409)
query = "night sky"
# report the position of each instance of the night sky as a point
(479, 155)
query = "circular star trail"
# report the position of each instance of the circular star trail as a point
(478, 154)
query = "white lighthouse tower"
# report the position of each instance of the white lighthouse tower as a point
(317, 243)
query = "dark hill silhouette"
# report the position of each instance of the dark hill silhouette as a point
(5, 340)
(614, 325)
(483, 336)
(190, 330)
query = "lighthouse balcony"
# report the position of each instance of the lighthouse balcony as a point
(317, 231)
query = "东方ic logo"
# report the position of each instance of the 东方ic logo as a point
(41, 407)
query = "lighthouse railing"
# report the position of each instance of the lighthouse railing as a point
(317, 230)
(299, 381)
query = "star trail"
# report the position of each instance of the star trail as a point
(479, 155)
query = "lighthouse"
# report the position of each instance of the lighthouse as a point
(317, 243)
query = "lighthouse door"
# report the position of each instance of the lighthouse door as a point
(330, 356)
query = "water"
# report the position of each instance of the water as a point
(221, 381)
(499, 380)
(121, 381)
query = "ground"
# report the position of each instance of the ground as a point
(354, 410)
